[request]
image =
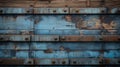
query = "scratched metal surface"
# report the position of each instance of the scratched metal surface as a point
(58, 25)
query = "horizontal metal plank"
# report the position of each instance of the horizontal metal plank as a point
(62, 3)
(60, 46)
(60, 61)
(60, 24)
(62, 10)
(64, 38)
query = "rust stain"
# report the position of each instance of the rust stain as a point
(54, 11)
(98, 24)
(63, 62)
(77, 11)
(111, 38)
(64, 10)
(23, 32)
(81, 23)
(15, 17)
(68, 18)
(26, 39)
(36, 21)
(53, 62)
(110, 26)
(49, 50)
(15, 46)
(62, 48)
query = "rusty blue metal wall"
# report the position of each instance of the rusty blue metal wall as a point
(59, 36)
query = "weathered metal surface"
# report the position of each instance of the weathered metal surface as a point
(76, 36)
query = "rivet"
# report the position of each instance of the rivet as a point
(28, 11)
(53, 62)
(62, 38)
(119, 61)
(77, 11)
(100, 38)
(63, 62)
(26, 39)
(119, 38)
(102, 11)
(1, 38)
(65, 10)
(29, 62)
(55, 39)
(54, 11)
(74, 62)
